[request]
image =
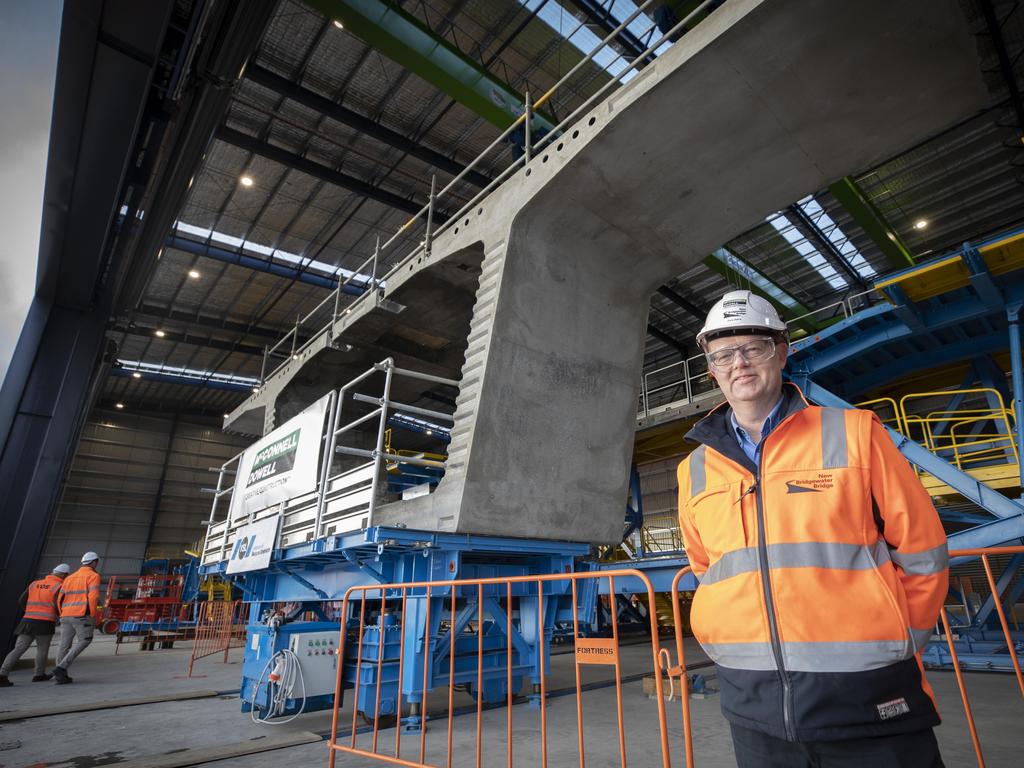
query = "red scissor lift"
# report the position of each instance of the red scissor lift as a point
(149, 599)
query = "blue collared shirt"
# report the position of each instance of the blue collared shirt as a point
(749, 447)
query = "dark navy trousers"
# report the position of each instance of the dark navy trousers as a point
(755, 749)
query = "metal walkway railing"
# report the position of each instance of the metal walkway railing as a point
(346, 495)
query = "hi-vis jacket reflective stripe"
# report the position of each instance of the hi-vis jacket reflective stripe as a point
(80, 593)
(42, 599)
(822, 572)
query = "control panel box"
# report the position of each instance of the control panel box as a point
(317, 653)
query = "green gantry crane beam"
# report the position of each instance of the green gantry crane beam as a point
(738, 272)
(407, 41)
(870, 219)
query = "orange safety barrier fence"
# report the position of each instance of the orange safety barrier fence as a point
(984, 554)
(526, 597)
(584, 652)
(220, 626)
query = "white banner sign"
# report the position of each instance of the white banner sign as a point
(253, 546)
(281, 465)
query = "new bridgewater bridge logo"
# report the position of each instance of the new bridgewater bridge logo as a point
(276, 458)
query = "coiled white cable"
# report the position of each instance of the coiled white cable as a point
(281, 690)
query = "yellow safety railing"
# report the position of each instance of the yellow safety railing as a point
(895, 421)
(968, 437)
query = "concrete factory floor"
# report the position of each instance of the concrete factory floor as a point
(208, 729)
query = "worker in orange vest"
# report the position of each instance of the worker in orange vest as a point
(37, 623)
(822, 562)
(78, 604)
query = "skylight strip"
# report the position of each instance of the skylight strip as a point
(836, 236)
(810, 254)
(238, 243)
(641, 26)
(585, 40)
(421, 423)
(187, 373)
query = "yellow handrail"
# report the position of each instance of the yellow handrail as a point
(958, 419)
(900, 425)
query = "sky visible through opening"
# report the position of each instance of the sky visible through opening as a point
(831, 231)
(181, 372)
(586, 40)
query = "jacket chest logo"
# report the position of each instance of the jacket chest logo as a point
(823, 481)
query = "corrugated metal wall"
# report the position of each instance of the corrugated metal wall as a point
(661, 503)
(135, 489)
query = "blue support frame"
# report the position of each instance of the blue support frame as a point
(322, 571)
(988, 607)
(634, 508)
(981, 278)
(1017, 374)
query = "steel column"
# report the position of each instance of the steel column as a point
(1017, 375)
(160, 485)
(58, 385)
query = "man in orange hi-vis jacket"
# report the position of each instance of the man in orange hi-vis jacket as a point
(37, 624)
(78, 604)
(822, 564)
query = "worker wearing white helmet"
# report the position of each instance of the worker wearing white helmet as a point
(79, 608)
(742, 313)
(37, 624)
(822, 563)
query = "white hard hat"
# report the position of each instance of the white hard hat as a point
(740, 312)
(90, 557)
(63, 568)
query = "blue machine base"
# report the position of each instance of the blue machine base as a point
(315, 576)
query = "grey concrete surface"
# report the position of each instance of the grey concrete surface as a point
(181, 731)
